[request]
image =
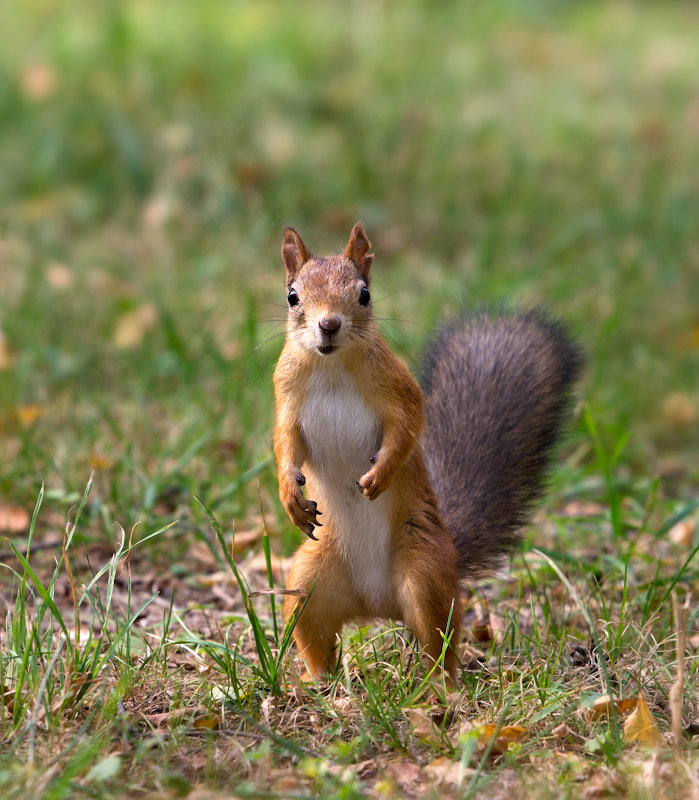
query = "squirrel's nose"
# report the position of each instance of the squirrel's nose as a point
(330, 324)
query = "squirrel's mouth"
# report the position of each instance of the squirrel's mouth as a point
(326, 349)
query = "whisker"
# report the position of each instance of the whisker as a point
(391, 294)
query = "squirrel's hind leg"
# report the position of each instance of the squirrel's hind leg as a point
(318, 573)
(429, 599)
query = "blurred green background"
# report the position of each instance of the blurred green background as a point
(517, 152)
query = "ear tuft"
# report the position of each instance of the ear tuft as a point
(294, 253)
(357, 250)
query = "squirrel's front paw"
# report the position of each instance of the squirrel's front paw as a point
(304, 514)
(374, 482)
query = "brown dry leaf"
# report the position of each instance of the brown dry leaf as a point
(287, 783)
(504, 737)
(603, 706)
(682, 533)
(132, 327)
(642, 726)
(405, 774)
(13, 519)
(207, 722)
(7, 357)
(197, 761)
(562, 731)
(160, 720)
(423, 725)
(447, 773)
(602, 782)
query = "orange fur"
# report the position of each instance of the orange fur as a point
(384, 554)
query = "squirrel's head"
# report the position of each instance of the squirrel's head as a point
(328, 296)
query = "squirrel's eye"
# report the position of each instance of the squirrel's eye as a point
(364, 297)
(292, 297)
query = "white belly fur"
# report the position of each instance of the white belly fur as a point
(342, 433)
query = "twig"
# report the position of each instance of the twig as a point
(680, 615)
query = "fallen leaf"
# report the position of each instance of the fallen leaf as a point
(163, 718)
(602, 783)
(642, 726)
(423, 725)
(207, 722)
(198, 761)
(405, 774)
(101, 462)
(7, 357)
(28, 415)
(504, 737)
(562, 731)
(682, 533)
(13, 519)
(603, 706)
(448, 773)
(679, 409)
(132, 327)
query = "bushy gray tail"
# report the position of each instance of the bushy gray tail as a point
(497, 390)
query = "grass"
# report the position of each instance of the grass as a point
(510, 152)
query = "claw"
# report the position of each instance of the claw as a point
(309, 533)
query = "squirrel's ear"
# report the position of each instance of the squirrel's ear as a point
(357, 249)
(294, 253)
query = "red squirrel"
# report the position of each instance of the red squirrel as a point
(402, 492)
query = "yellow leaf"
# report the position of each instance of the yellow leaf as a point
(504, 737)
(603, 706)
(641, 725)
(207, 722)
(28, 415)
(7, 357)
(98, 461)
